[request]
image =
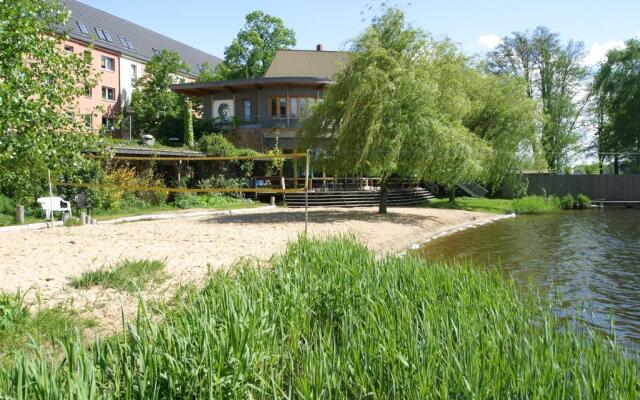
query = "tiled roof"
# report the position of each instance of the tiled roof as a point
(128, 38)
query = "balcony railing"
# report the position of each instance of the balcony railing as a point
(256, 122)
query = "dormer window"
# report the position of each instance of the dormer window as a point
(82, 27)
(104, 35)
(156, 51)
(126, 42)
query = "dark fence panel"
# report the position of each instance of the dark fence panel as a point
(607, 187)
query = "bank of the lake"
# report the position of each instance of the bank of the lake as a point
(333, 320)
(590, 257)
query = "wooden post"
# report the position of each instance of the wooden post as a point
(306, 196)
(272, 200)
(20, 214)
(50, 196)
(83, 218)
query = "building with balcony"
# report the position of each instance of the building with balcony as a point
(259, 110)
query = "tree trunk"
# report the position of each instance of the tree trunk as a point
(384, 192)
(616, 165)
(452, 195)
(600, 165)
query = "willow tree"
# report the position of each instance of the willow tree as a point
(396, 110)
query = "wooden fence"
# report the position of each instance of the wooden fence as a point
(604, 187)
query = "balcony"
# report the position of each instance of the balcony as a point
(257, 122)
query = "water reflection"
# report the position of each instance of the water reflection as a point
(590, 257)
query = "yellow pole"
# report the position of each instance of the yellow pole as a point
(306, 195)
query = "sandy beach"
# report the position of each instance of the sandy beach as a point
(41, 263)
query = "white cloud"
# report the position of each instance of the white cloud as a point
(597, 52)
(489, 41)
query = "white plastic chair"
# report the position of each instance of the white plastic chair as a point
(54, 204)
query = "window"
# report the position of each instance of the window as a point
(88, 91)
(107, 63)
(134, 73)
(88, 120)
(126, 42)
(104, 35)
(156, 51)
(68, 48)
(82, 27)
(293, 108)
(108, 93)
(273, 109)
(247, 110)
(108, 123)
(303, 106)
(283, 107)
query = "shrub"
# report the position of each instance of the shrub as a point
(216, 145)
(567, 202)
(583, 201)
(536, 205)
(7, 205)
(123, 198)
(12, 311)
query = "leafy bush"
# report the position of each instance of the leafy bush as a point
(215, 144)
(536, 205)
(333, 320)
(123, 198)
(568, 202)
(583, 201)
(7, 205)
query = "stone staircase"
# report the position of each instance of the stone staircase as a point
(404, 197)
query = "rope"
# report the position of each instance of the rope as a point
(178, 190)
(263, 157)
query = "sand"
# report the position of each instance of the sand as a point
(41, 263)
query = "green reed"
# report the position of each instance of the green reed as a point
(333, 321)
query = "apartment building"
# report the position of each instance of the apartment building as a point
(119, 51)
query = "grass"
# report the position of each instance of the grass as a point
(126, 275)
(536, 205)
(524, 205)
(332, 320)
(19, 326)
(498, 206)
(6, 220)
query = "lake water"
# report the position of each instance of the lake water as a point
(591, 257)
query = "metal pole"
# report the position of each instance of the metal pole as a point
(306, 195)
(129, 126)
(50, 197)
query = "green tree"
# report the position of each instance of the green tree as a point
(555, 77)
(189, 137)
(207, 73)
(153, 102)
(39, 83)
(616, 90)
(255, 46)
(395, 110)
(502, 114)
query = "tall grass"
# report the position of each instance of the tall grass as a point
(536, 205)
(126, 275)
(333, 321)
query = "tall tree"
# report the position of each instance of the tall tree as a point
(396, 109)
(502, 114)
(152, 100)
(40, 128)
(252, 51)
(616, 90)
(556, 77)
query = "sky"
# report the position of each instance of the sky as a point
(475, 25)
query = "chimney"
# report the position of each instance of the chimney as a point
(319, 47)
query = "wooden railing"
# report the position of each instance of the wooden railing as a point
(330, 183)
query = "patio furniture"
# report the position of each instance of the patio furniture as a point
(83, 201)
(54, 204)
